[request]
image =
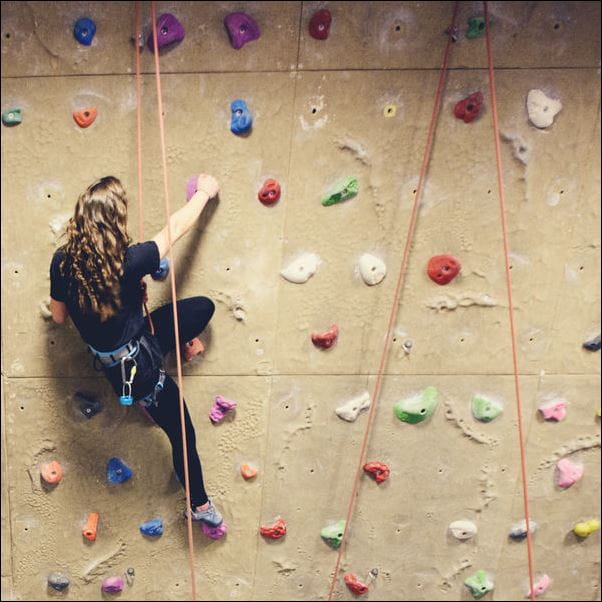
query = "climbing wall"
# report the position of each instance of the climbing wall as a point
(354, 105)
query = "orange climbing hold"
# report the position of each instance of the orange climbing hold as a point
(355, 585)
(89, 531)
(378, 470)
(275, 531)
(193, 348)
(248, 472)
(85, 117)
(326, 339)
(52, 472)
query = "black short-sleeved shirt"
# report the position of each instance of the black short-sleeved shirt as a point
(140, 259)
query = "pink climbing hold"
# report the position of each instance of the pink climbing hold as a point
(553, 410)
(540, 587)
(169, 32)
(319, 24)
(327, 339)
(112, 585)
(191, 186)
(221, 407)
(214, 532)
(567, 473)
(469, 108)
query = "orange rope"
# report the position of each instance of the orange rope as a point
(395, 307)
(498, 157)
(172, 273)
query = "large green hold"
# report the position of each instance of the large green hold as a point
(333, 534)
(476, 27)
(418, 408)
(12, 116)
(479, 584)
(347, 189)
(484, 409)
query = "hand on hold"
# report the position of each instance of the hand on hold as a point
(207, 184)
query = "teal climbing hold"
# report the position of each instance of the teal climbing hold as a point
(479, 584)
(333, 534)
(345, 190)
(476, 27)
(12, 116)
(484, 409)
(417, 409)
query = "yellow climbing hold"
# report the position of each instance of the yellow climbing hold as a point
(598, 413)
(390, 110)
(587, 528)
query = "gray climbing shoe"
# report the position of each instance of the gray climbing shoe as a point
(210, 517)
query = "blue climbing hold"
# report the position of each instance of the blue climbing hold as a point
(117, 471)
(84, 31)
(153, 527)
(241, 117)
(163, 271)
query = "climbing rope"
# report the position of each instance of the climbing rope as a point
(396, 298)
(500, 181)
(172, 263)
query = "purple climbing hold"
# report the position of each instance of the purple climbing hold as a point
(112, 585)
(221, 407)
(169, 32)
(214, 532)
(191, 187)
(241, 28)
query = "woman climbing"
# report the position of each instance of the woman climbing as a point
(96, 279)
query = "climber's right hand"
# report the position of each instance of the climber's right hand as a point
(207, 184)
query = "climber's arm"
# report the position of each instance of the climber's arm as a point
(59, 311)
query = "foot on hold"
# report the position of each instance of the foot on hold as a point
(169, 32)
(347, 189)
(85, 117)
(463, 529)
(327, 339)
(241, 29)
(112, 585)
(593, 345)
(84, 30)
(479, 584)
(442, 269)
(519, 530)
(319, 24)
(275, 530)
(52, 473)
(469, 108)
(58, 581)
(567, 473)
(484, 409)
(163, 270)
(350, 410)
(242, 120)
(586, 528)
(355, 585)
(333, 534)
(209, 516)
(118, 471)
(193, 348)
(553, 410)
(153, 527)
(12, 116)
(378, 470)
(214, 532)
(540, 587)
(418, 408)
(476, 27)
(221, 407)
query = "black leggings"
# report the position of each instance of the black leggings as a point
(193, 316)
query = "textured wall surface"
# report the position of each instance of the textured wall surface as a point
(318, 117)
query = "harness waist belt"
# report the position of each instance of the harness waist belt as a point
(111, 358)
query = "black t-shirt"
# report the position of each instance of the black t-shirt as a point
(140, 259)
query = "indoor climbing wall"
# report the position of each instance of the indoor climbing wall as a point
(340, 95)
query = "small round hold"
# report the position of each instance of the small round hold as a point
(390, 110)
(442, 269)
(163, 271)
(84, 31)
(58, 581)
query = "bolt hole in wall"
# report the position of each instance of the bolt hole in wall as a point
(7, 35)
(314, 110)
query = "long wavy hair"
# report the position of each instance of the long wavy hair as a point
(97, 240)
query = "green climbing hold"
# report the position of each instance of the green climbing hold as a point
(333, 534)
(12, 117)
(476, 27)
(347, 189)
(479, 584)
(484, 409)
(417, 408)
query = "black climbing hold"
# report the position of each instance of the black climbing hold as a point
(593, 345)
(88, 405)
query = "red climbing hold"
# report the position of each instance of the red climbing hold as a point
(193, 348)
(378, 470)
(468, 109)
(319, 24)
(275, 531)
(85, 117)
(325, 339)
(443, 268)
(52, 472)
(270, 192)
(355, 585)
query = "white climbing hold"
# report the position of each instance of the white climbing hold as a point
(372, 269)
(542, 109)
(350, 410)
(463, 529)
(45, 309)
(301, 269)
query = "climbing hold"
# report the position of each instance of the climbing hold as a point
(58, 581)
(390, 110)
(350, 410)
(463, 529)
(274, 531)
(91, 526)
(241, 117)
(52, 472)
(117, 471)
(88, 406)
(519, 530)
(85, 117)
(355, 585)
(539, 587)
(247, 471)
(333, 534)
(542, 109)
(485, 409)
(301, 269)
(130, 573)
(418, 408)
(112, 585)
(319, 24)
(479, 584)
(453, 32)
(193, 348)
(372, 269)
(163, 270)
(221, 407)
(12, 116)
(191, 185)
(269, 192)
(593, 345)
(476, 27)
(169, 32)
(567, 473)
(241, 28)
(214, 532)
(442, 269)
(345, 190)
(153, 527)
(84, 30)
(469, 108)
(327, 339)
(586, 528)
(553, 410)
(378, 470)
